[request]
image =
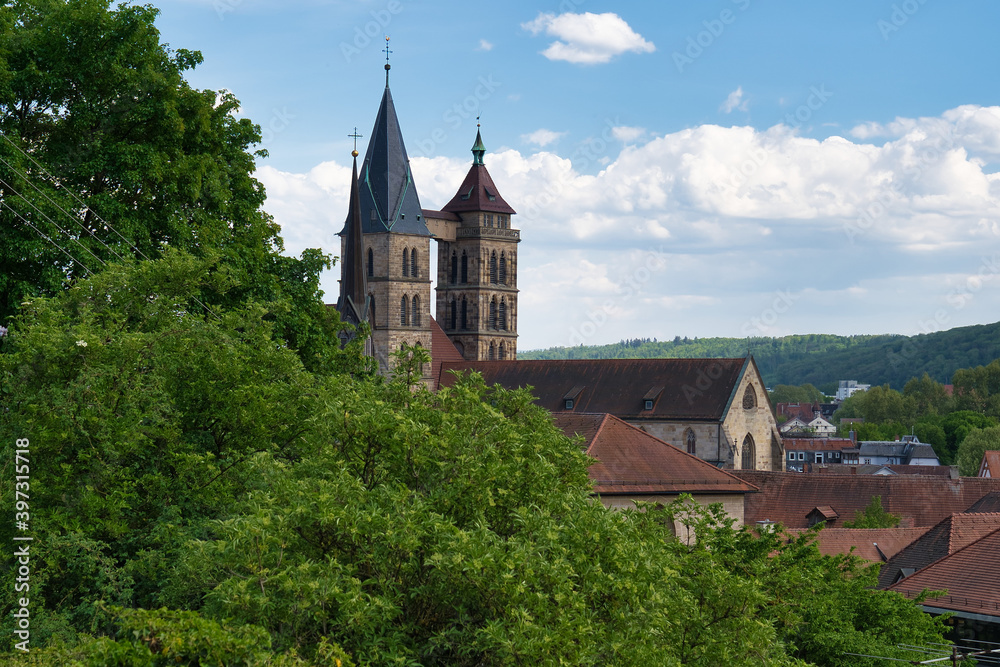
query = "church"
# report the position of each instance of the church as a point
(715, 409)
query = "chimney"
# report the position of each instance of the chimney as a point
(853, 435)
(854, 470)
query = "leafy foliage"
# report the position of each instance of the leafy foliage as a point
(873, 516)
(970, 452)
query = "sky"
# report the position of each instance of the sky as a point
(723, 168)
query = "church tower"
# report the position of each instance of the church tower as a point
(477, 268)
(395, 241)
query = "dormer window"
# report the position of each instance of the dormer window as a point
(489, 195)
(569, 403)
(569, 399)
(648, 405)
(649, 400)
(468, 195)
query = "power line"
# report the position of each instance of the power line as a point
(45, 236)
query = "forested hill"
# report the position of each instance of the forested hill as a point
(819, 359)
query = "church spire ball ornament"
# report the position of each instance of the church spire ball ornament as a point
(355, 136)
(387, 65)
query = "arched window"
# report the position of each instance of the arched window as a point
(465, 314)
(415, 312)
(454, 314)
(406, 262)
(371, 263)
(371, 313)
(413, 264)
(493, 313)
(454, 268)
(503, 352)
(749, 398)
(493, 267)
(749, 458)
(465, 268)
(692, 441)
(402, 310)
(503, 269)
(493, 352)
(502, 315)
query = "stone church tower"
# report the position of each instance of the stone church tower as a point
(477, 267)
(395, 241)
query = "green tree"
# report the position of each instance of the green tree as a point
(873, 516)
(929, 396)
(970, 452)
(784, 393)
(978, 388)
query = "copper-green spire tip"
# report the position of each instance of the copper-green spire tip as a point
(478, 148)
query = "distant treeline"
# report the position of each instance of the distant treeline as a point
(818, 359)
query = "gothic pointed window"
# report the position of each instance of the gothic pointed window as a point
(692, 441)
(465, 314)
(503, 269)
(493, 267)
(465, 268)
(413, 264)
(402, 310)
(493, 313)
(502, 315)
(371, 263)
(503, 352)
(493, 352)
(749, 459)
(371, 312)
(415, 312)
(406, 262)
(749, 398)
(454, 315)
(454, 268)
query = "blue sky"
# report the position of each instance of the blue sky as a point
(724, 168)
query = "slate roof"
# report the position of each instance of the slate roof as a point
(969, 575)
(787, 497)
(442, 349)
(354, 301)
(630, 461)
(692, 389)
(868, 543)
(389, 200)
(988, 503)
(948, 536)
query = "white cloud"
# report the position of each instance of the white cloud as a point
(700, 231)
(735, 101)
(627, 134)
(484, 45)
(542, 137)
(587, 39)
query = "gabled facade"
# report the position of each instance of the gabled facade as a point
(716, 409)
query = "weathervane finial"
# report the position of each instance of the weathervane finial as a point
(387, 66)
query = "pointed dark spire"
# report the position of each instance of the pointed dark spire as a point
(353, 302)
(389, 199)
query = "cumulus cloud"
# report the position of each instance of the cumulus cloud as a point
(587, 39)
(734, 101)
(542, 137)
(627, 134)
(702, 231)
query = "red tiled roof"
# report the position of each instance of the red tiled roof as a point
(630, 461)
(865, 542)
(991, 463)
(804, 411)
(787, 497)
(441, 215)
(693, 389)
(443, 351)
(969, 575)
(948, 536)
(478, 193)
(988, 503)
(872, 468)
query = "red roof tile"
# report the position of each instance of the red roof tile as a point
(864, 542)
(988, 503)
(443, 351)
(818, 444)
(693, 389)
(969, 575)
(630, 461)
(948, 536)
(990, 464)
(441, 215)
(478, 193)
(787, 497)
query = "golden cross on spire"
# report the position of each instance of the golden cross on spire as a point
(387, 52)
(355, 136)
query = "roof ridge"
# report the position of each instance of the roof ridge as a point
(947, 556)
